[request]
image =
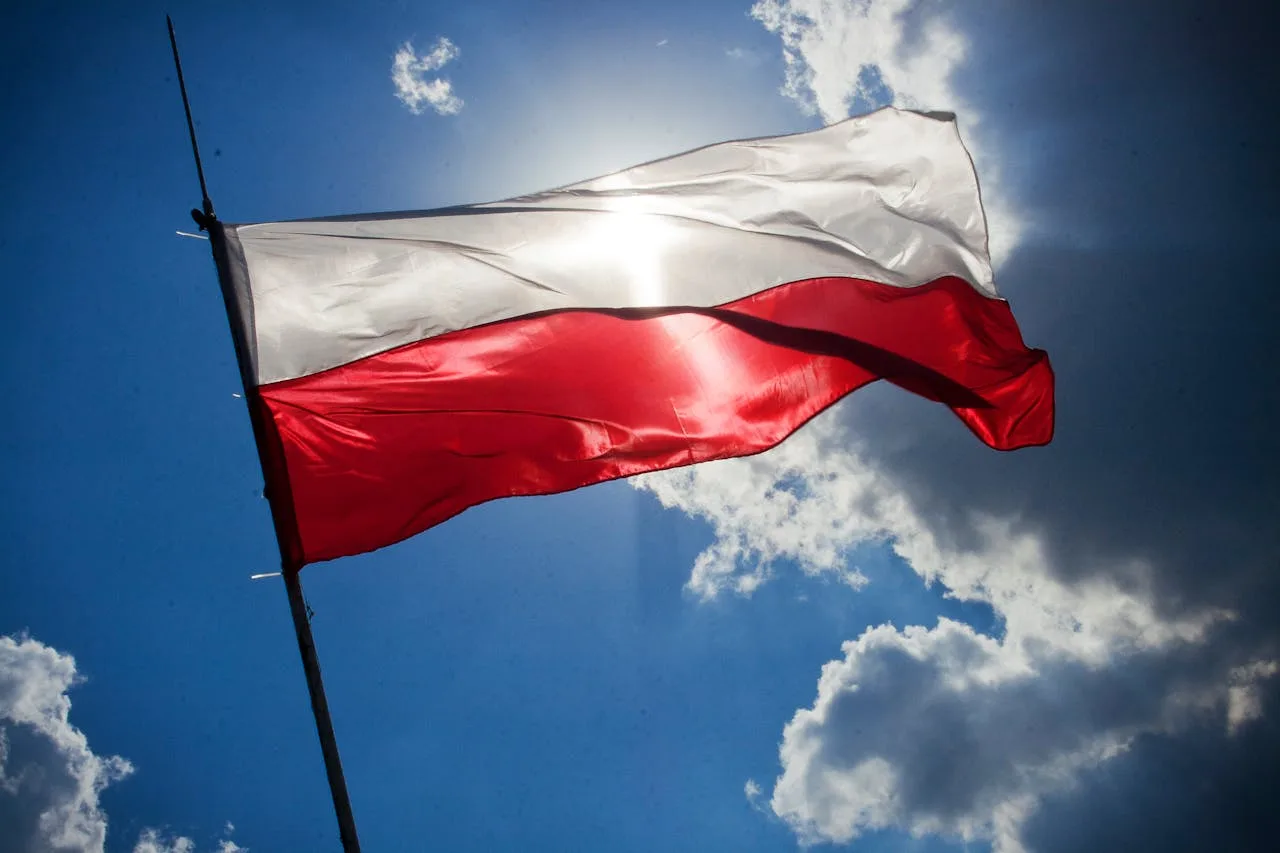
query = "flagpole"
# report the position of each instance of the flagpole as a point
(191, 126)
(207, 221)
(320, 709)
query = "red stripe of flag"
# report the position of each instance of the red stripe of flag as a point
(383, 448)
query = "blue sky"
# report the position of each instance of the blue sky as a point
(557, 673)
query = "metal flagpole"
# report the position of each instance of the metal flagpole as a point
(320, 708)
(207, 221)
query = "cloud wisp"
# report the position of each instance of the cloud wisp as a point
(416, 83)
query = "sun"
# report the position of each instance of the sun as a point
(631, 241)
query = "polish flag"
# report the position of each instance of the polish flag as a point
(406, 366)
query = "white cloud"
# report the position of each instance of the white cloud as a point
(832, 47)
(789, 503)
(946, 730)
(754, 794)
(1244, 696)
(50, 780)
(839, 53)
(814, 498)
(416, 88)
(154, 841)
